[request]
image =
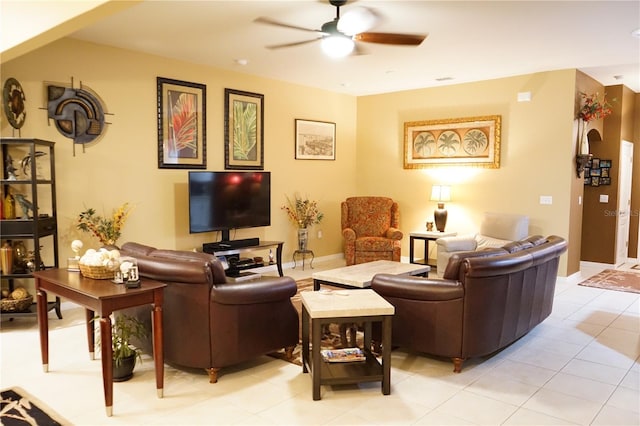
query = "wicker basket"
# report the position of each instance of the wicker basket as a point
(96, 272)
(16, 305)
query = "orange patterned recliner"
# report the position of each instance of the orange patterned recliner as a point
(370, 229)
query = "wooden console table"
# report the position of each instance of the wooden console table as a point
(102, 297)
(224, 251)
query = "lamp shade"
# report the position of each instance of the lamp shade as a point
(440, 193)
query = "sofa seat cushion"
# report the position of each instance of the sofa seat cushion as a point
(485, 242)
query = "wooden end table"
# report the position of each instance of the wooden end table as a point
(102, 297)
(345, 306)
(425, 236)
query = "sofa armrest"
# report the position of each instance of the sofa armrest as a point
(394, 234)
(416, 288)
(349, 234)
(247, 293)
(461, 243)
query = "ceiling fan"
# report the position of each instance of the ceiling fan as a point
(338, 36)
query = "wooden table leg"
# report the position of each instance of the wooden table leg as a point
(158, 345)
(107, 362)
(91, 335)
(279, 259)
(315, 357)
(386, 355)
(305, 339)
(43, 325)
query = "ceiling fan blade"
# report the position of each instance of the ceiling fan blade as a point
(295, 43)
(391, 38)
(269, 21)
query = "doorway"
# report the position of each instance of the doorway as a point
(624, 202)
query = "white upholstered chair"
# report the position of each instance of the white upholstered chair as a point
(496, 230)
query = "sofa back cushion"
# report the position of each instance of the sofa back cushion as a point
(505, 226)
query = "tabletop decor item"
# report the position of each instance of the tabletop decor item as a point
(304, 213)
(106, 229)
(99, 264)
(593, 108)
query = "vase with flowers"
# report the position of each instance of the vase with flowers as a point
(593, 108)
(303, 213)
(106, 229)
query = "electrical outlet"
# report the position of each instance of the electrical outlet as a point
(319, 233)
(546, 199)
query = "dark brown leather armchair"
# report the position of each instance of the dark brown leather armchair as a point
(209, 323)
(487, 299)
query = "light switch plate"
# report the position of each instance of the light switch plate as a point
(604, 198)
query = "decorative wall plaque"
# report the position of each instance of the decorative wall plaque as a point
(77, 113)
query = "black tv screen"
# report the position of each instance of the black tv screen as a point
(220, 201)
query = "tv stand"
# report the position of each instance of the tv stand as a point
(221, 249)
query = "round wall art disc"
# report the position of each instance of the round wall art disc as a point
(13, 101)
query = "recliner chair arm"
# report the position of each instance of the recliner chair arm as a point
(263, 291)
(457, 243)
(416, 288)
(349, 234)
(394, 234)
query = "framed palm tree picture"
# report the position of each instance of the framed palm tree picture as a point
(243, 131)
(182, 125)
(473, 141)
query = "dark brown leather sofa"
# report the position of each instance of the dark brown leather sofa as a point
(485, 301)
(209, 323)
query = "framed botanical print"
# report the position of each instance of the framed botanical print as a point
(181, 124)
(469, 141)
(243, 130)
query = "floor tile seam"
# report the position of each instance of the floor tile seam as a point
(553, 390)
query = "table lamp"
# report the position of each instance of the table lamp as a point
(440, 193)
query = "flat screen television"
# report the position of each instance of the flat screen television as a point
(220, 201)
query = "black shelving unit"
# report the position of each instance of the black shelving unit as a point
(34, 178)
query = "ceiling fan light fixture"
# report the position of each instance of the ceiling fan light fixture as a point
(337, 46)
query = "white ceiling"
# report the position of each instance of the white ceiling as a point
(468, 40)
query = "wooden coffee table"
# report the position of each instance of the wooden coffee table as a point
(345, 306)
(360, 276)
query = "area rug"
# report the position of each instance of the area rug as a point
(331, 335)
(611, 279)
(18, 408)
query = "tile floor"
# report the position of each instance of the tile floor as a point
(580, 366)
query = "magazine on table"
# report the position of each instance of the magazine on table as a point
(343, 355)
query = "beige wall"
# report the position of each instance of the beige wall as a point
(536, 146)
(537, 153)
(122, 165)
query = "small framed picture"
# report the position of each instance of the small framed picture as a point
(595, 181)
(595, 163)
(315, 140)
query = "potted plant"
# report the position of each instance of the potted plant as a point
(123, 329)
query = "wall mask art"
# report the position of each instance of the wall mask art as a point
(78, 113)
